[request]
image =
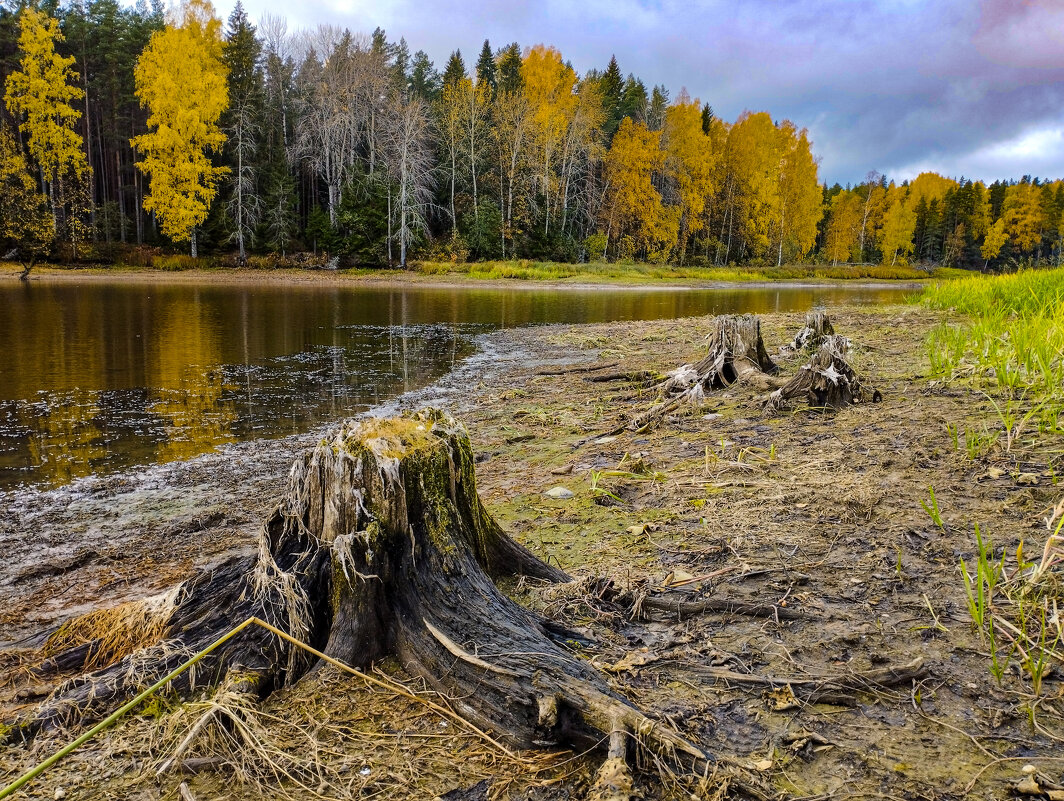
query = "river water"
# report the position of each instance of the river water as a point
(100, 376)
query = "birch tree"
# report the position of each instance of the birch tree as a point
(408, 153)
(181, 80)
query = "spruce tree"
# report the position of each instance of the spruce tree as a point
(486, 71)
(455, 70)
(242, 123)
(611, 85)
(509, 74)
(424, 79)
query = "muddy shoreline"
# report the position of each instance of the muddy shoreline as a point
(821, 511)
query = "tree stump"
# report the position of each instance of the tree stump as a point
(817, 327)
(735, 352)
(380, 546)
(827, 381)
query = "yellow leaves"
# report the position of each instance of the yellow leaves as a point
(996, 237)
(843, 226)
(24, 217)
(42, 91)
(800, 194)
(899, 222)
(549, 88)
(633, 201)
(181, 80)
(928, 186)
(689, 162)
(1023, 214)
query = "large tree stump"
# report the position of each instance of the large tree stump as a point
(735, 352)
(381, 546)
(827, 381)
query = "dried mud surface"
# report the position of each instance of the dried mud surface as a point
(820, 511)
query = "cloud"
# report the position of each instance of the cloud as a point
(958, 86)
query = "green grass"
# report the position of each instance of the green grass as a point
(525, 270)
(1011, 345)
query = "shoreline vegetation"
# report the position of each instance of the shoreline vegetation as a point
(928, 525)
(517, 271)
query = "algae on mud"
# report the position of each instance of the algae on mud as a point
(818, 511)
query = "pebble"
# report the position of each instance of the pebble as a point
(560, 493)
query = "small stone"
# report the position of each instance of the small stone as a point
(559, 493)
(1027, 478)
(59, 793)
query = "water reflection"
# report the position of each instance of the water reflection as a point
(105, 375)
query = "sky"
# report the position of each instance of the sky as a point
(971, 88)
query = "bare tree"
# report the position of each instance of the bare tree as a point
(408, 154)
(245, 206)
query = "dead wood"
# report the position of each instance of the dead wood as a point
(380, 547)
(734, 352)
(838, 690)
(817, 327)
(826, 381)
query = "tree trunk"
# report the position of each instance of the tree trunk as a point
(826, 382)
(736, 352)
(380, 546)
(194, 250)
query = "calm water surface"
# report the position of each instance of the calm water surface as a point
(102, 376)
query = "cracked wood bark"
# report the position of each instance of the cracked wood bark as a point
(382, 546)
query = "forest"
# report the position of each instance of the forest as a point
(133, 135)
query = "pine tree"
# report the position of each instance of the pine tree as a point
(634, 99)
(401, 66)
(181, 80)
(659, 101)
(509, 75)
(611, 86)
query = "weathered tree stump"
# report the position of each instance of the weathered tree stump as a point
(735, 352)
(817, 327)
(827, 381)
(380, 546)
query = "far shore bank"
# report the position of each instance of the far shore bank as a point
(386, 278)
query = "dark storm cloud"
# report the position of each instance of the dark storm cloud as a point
(961, 87)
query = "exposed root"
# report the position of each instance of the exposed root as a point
(735, 352)
(826, 382)
(381, 547)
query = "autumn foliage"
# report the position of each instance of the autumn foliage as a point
(144, 128)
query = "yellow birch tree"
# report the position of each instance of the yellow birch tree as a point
(41, 94)
(25, 222)
(181, 81)
(899, 222)
(689, 164)
(548, 85)
(635, 213)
